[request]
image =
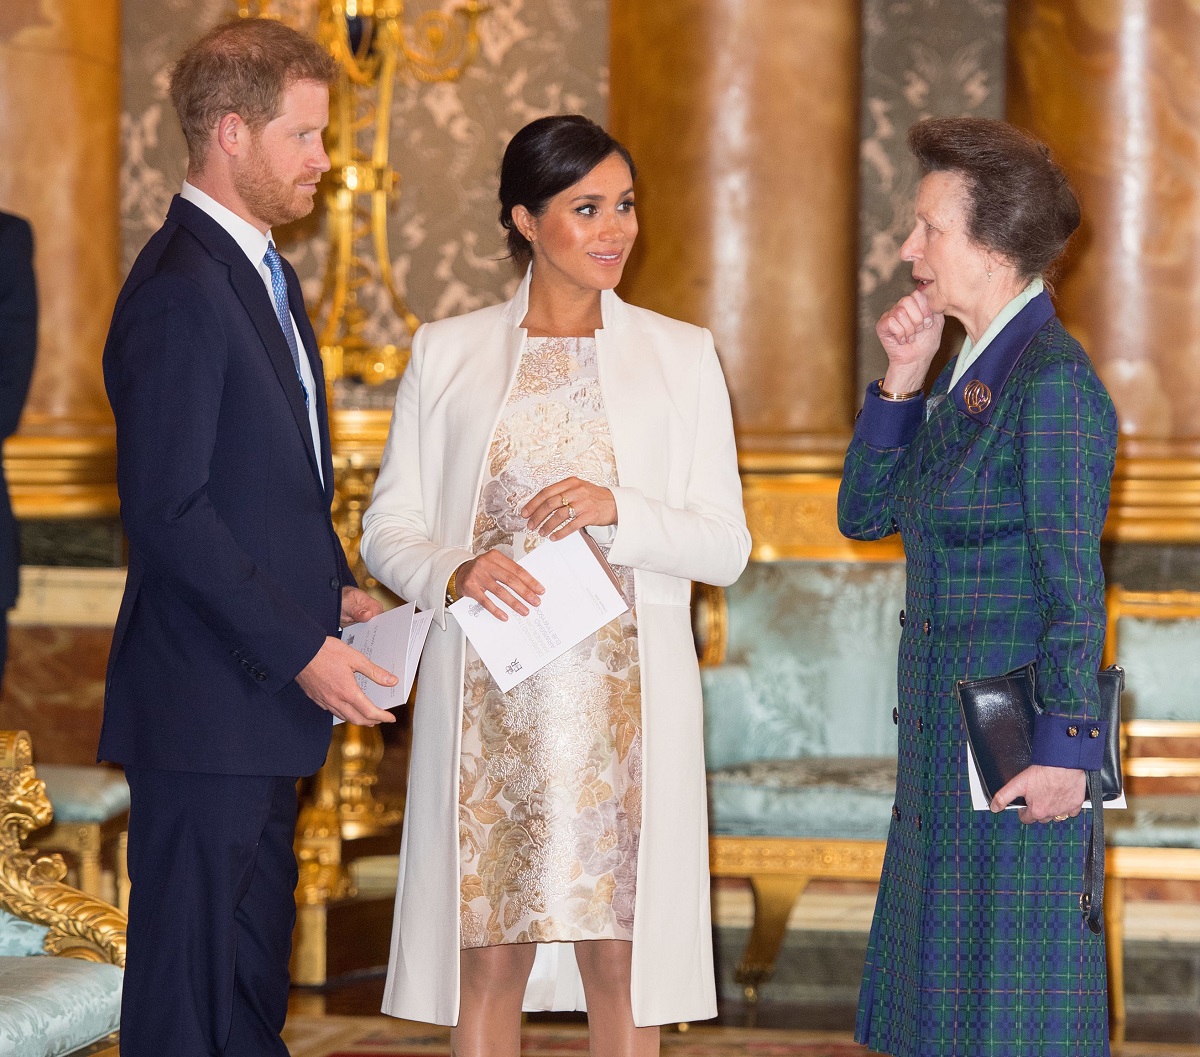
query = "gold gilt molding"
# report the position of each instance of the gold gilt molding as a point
(31, 885)
(1155, 500)
(67, 475)
(750, 856)
(794, 515)
(791, 507)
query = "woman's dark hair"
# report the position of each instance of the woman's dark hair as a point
(545, 158)
(1019, 201)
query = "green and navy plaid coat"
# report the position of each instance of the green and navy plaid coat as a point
(999, 490)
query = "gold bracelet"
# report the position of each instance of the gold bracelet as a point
(452, 594)
(895, 397)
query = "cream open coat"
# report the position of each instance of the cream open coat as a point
(679, 513)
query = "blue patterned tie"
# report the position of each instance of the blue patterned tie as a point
(279, 289)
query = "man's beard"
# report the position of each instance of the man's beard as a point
(267, 197)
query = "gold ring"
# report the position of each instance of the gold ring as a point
(1061, 818)
(563, 497)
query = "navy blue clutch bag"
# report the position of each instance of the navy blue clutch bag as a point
(998, 715)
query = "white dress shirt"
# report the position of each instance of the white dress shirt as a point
(254, 245)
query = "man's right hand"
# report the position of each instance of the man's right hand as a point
(329, 680)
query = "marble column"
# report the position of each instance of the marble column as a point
(59, 131)
(1113, 86)
(742, 116)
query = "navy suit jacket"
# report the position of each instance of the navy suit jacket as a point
(235, 571)
(18, 343)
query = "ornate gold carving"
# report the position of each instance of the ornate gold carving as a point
(356, 472)
(794, 515)
(30, 884)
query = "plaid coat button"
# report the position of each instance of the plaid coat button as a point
(896, 716)
(1072, 732)
(895, 812)
(926, 627)
(903, 618)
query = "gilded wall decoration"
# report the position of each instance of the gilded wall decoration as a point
(536, 57)
(921, 58)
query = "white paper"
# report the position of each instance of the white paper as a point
(979, 800)
(393, 640)
(581, 597)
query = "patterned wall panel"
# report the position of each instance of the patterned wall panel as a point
(921, 58)
(536, 57)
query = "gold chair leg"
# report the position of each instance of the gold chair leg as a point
(1114, 928)
(122, 865)
(774, 897)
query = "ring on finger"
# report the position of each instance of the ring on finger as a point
(1061, 818)
(570, 512)
(563, 497)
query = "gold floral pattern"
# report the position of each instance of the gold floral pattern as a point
(550, 798)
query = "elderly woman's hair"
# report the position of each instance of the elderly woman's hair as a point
(1020, 203)
(545, 158)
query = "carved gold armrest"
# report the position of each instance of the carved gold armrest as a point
(31, 885)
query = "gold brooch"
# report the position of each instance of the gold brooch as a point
(977, 396)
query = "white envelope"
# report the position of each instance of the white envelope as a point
(393, 640)
(582, 595)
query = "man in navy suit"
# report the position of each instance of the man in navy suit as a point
(226, 661)
(18, 343)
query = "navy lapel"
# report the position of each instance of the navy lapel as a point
(248, 284)
(978, 390)
(308, 339)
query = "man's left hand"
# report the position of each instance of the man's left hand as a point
(358, 606)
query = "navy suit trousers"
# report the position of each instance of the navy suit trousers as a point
(210, 916)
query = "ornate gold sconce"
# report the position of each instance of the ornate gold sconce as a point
(372, 46)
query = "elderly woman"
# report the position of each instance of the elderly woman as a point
(998, 483)
(563, 822)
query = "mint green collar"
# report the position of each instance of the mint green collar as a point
(971, 352)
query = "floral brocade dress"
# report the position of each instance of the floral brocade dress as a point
(550, 773)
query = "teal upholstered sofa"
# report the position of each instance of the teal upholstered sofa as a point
(799, 732)
(61, 951)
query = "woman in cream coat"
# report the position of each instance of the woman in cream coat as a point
(673, 515)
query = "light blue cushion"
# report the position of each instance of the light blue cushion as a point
(811, 663)
(845, 798)
(84, 794)
(51, 1006)
(1161, 659)
(1155, 821)
(18, 938)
